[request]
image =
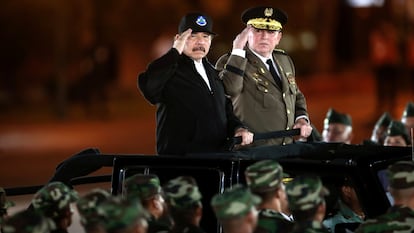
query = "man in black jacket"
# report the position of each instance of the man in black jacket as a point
(193, 113)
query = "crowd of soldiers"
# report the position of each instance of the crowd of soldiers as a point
(270, 202)
(387, 131)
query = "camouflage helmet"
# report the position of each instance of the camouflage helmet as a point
(28, 221)
(234, 202)
(182, 192)
(264, 175)
(401, 175)
(305, 192)
(143, 186)
(4, 203)
(397, 128)
(119, 213)
(87, 205)
(54, 197)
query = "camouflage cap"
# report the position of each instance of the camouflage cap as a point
(28, 221)
(397, 128)
(234, 202)
(401, 175)
(87, 205)
(305, 192)
(4, 203)
(384, 120)
(182, 192)
(409, 110)
(118, 213)
(264, 175)
(53, 197)
(143, 186)
(333, 116)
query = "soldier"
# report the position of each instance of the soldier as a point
(265, 98)
(397, 135)
(87, 206)
(399, 217)
(54, 200)
(337, 127)
(407, 117)
(235, 209)
(184, 204)
(380, 129)
(265, 179)
(306, 196)
(28, 221)
(5, 204)
(147, 189)
(123, 215)
(348, 208)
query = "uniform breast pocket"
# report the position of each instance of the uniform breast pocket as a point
(264, 96)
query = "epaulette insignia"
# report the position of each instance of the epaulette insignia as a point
(269, 213)
(279, 51)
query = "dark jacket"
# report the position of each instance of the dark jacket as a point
(190, 117)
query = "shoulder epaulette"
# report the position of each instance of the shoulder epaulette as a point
(280, 51)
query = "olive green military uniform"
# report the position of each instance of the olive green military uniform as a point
(258, 101)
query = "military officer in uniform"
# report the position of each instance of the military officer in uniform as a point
(261, 79)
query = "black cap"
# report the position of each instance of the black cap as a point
(397, 128)
(409, 110)
(198, 22)
(265, 17)
(384, 120)
(333, 116)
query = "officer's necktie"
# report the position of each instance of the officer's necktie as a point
(274, 73)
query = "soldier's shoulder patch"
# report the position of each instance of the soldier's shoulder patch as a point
(269, 213)
(281, 51)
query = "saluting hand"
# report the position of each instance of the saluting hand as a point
(181, 39)
(241, 39)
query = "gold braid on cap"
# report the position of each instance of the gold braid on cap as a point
(266, 24)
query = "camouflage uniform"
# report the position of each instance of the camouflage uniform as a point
(118, 214)
(145, 187)
(306, 193)
(4, 203)
(235, 202)
(53, 199)
(87, 208)
(263, 177)
(28, 221)
(183, 198)
(399, 218)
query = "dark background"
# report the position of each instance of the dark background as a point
(54, 101)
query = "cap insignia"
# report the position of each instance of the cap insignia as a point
(201, 21)
(268, 12)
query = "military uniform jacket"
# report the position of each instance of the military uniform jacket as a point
(397, 219)
(190, 117)
(309, 227)
(258, 101)
(270, 221)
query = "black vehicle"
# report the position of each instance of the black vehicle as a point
(214, 172)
